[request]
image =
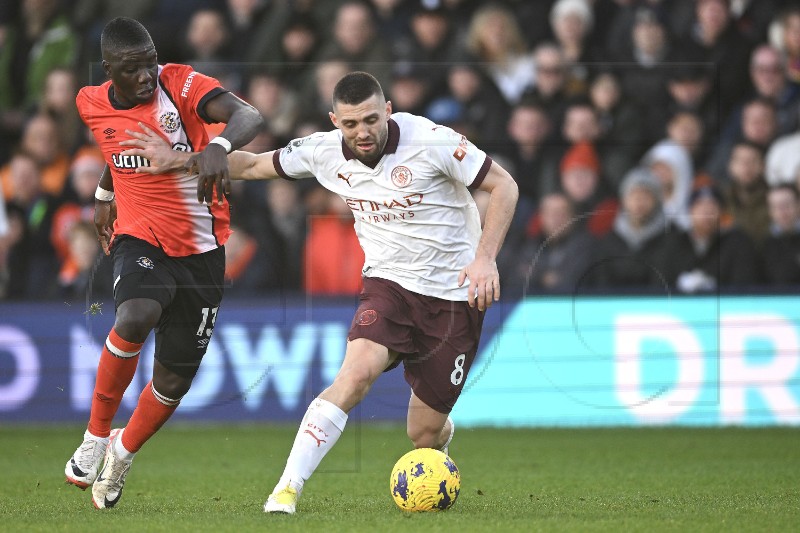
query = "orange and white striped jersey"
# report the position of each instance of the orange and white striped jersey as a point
(161, 209)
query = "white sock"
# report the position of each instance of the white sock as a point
(120, 450)
(319, 431)
(446, 446)
(87, 436)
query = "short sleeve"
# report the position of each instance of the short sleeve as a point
(192, 89)
(296, 159)
(81, 105)
(456, 157)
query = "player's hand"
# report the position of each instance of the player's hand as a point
(150, 145)
(105, 213)
(212, 172)
(484, 282)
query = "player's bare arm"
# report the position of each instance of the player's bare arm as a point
(249, 166)
(105, 212)
(151, 145)
(484, 279)
(242, 124)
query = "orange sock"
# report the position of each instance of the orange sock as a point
(114, 373)
(150, 414)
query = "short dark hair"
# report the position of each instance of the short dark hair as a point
(762, 101)
(750, 144)
(123, 32)
(530, 102)
(786, 187)
(356, 87)
(707, 191)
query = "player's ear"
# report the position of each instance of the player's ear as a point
(106, 68)
(333, 119)
(388, 108)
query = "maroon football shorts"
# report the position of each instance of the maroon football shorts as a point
(437, 339)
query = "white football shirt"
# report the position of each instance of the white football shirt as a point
(414, 215)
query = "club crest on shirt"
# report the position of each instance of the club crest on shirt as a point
(401, 176)
(169, 121)
(145, 262)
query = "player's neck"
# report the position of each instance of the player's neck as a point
(373, 162)
(116, 102)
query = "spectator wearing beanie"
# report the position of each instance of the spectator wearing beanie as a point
(631, 255)
(580, 181)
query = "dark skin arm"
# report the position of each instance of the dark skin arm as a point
(242, 124)
(105, 212)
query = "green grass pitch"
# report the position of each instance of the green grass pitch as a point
(216, 478)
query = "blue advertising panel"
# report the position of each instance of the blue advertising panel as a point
(266, 361)
(543, 361)
(635, 361)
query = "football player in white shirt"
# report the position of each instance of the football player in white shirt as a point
(407, 181)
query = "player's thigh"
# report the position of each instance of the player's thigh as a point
(382, 316)
(365, 360)
(186, 326)
(446, 347)
(141, 272)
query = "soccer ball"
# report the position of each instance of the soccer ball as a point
(425, 480)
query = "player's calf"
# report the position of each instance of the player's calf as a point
(424, 434)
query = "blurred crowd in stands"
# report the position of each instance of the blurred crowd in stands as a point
(655, 142)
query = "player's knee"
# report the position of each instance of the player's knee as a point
(172, 386)
(135, 319)
(355, 382)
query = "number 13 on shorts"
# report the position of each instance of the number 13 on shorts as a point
(207, 322)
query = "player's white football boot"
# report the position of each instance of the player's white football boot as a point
(446, 446)
(82, 467)
(107, 488)
(282, 501)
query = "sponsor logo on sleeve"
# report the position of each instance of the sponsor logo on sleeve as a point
(294, 144)
(187, 84)
(461, 150)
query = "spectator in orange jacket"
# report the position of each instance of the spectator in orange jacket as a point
(332, 259)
